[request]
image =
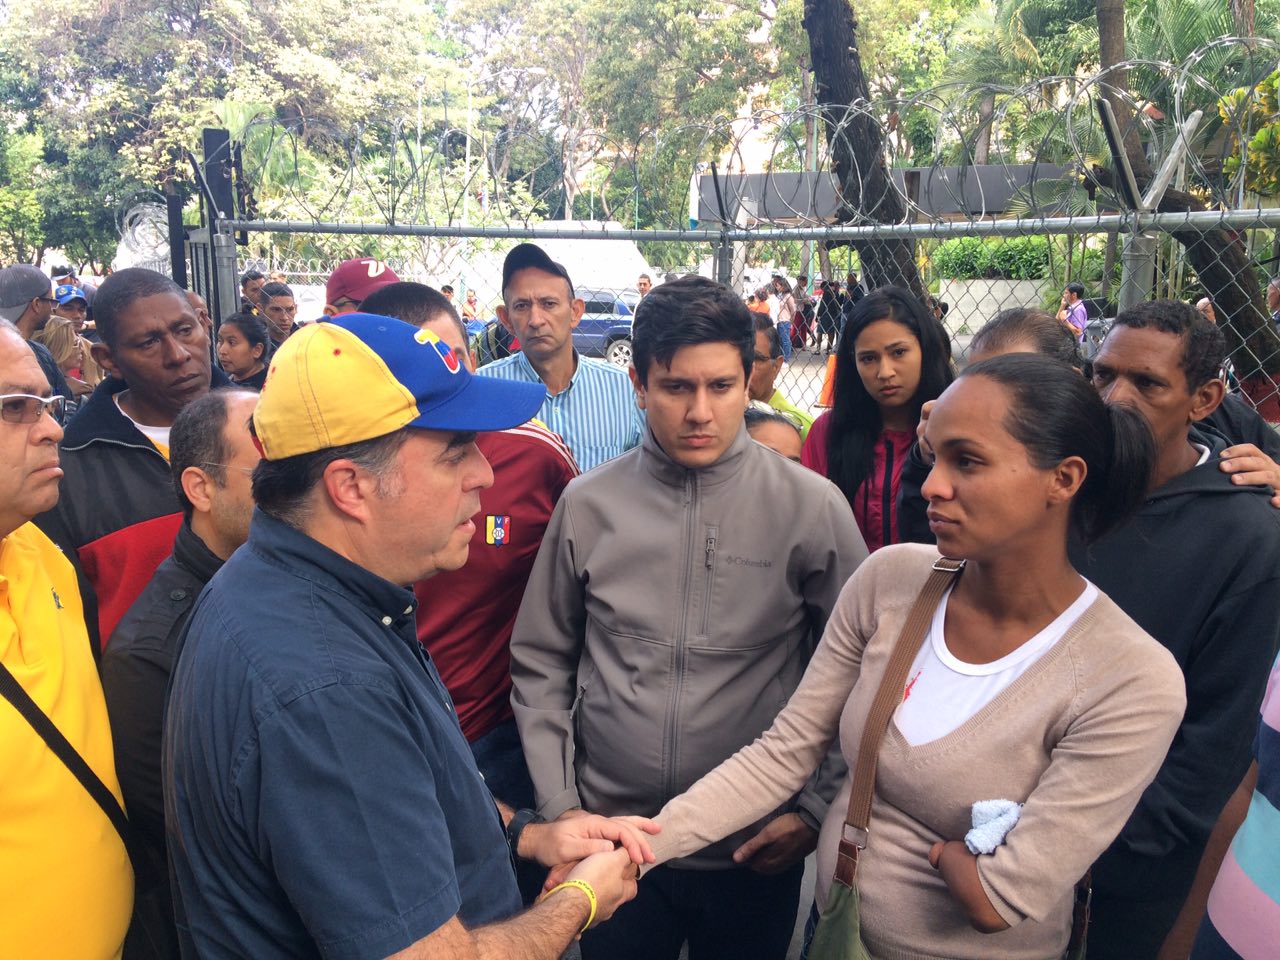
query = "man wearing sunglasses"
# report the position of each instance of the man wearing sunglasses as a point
(62, 850)
(26, 301)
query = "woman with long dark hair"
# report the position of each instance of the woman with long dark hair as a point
(1019, 686)
(892, 358)
(788, 314)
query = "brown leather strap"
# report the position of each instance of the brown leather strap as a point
(854, 835)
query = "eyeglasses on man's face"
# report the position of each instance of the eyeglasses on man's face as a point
(28, 408)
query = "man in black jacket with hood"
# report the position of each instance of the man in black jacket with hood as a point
(1199, 569)
(117, 516)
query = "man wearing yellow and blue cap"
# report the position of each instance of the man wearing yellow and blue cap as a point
(320, 797)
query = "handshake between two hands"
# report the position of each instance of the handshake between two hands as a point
(604, 852)
(608, 852)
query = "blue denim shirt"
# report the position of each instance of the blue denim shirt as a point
(320, 798)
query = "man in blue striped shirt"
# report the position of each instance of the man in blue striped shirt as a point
(590, 403)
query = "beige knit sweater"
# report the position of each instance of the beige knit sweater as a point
(1076, 738)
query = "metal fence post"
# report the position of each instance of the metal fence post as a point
(177, 239)
(1137, 269)
(226, 286)
(724, 260)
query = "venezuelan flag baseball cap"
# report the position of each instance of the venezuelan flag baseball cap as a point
(360, 376)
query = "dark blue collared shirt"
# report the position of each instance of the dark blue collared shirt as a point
(320, 798)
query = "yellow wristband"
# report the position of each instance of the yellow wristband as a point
(585, 888)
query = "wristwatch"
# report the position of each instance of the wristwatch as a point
(516, 827)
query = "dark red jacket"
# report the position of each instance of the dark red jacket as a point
(875, 502)
(117, 514)
(465, 616)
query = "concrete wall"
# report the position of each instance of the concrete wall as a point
(974, 302)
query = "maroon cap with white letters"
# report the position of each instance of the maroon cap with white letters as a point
(356, 279)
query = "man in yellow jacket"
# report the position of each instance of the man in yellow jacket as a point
(68, 886)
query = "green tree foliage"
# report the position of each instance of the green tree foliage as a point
(1011, 42)
(973, 258)
(143, 78)
(84, 189)
(619, 80)
(21, 226)
(117, 91)
(1055, 260)
(1251, 117)
(575, 107)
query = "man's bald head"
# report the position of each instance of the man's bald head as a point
(201, 308)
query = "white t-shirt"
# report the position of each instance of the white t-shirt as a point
(157, 435)
(943, 692)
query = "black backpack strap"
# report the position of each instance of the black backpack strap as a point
(64, 751)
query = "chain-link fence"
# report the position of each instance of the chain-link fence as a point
(970, 270)
(608, 277)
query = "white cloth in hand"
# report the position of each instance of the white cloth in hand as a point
(992, 821)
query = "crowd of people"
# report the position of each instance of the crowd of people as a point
(808, 321)
(320, 639)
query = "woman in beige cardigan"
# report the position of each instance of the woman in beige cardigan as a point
(1031, 686)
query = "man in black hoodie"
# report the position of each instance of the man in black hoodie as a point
(118, 515)
(1199, 569)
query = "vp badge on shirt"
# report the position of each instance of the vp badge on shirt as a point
(497, 530)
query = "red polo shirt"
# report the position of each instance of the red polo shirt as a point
(465, 616)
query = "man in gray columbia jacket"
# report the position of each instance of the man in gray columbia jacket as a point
(679, 593)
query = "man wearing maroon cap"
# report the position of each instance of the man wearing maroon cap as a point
(352, 282)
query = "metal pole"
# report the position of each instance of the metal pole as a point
(466, 187)
(724, 260)
(177, 239)
(226, 285)
(418, 158)
(1268, 218)
(1137, 270)
(812, 165)
(548, 230)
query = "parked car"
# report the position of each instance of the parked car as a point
(605, 328)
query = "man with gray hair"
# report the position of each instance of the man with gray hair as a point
(26, 302)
